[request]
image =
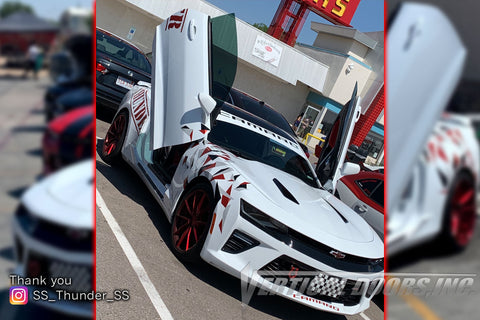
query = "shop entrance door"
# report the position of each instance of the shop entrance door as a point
(308, 121)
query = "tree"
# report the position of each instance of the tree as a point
(261, 26)
(10, 7)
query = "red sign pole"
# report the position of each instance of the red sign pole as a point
(291, 15)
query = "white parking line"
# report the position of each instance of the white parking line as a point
(364, 316)
(134, 261)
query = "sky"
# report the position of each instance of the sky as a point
(368, 17)
(52, 9)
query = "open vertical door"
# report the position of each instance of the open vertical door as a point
(189, 51)
(425, 60)
(334, 151)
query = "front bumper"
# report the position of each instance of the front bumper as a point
(35, 258)
(255, 264)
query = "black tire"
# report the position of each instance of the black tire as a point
(197, 227)
(115, 137)
(460, 206)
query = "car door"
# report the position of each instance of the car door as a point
(190, 51)
(336, 143)
(425, 61)
(370, 204)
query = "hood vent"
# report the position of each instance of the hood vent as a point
(284, 191)
(338, 212)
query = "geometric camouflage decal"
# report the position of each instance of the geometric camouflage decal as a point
(212, 163)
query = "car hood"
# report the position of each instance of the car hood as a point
(318, 214)
(65, 198)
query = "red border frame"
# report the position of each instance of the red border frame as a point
(385, 154)
(94, 152)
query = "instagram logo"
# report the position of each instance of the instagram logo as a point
(18, 295)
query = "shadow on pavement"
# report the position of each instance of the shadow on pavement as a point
(38, 152)
(17, 192)
(38, 128)
(7, 253)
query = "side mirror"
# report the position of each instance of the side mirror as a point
(207, 102)
(350, 168)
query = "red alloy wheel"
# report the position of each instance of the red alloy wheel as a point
(114, 134)
(191, 221)
(462, 214)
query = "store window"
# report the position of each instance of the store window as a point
(372, 145)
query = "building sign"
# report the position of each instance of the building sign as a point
(267, 50)
(336, 11)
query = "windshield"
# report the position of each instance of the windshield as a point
(253, 146)
(260, 109)
(122, 52)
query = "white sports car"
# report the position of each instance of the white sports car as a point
(238, 190)
(52, 231)
(432, 182)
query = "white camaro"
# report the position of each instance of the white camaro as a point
(52, 230)
(238, 190)
(433, 159)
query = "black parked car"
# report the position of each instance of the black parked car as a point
(119, 66)
(79, 62)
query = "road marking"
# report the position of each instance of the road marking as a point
(364, 316)
(420, 307)
(134, 261)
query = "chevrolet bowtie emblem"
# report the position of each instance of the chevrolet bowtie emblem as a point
(337, 254)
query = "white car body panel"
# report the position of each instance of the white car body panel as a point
(374, 217)
(180, 74)
(425, 56)
(451, 148)
(318, 214)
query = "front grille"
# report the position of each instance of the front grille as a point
(54, 234)
(311, 282)
(322, 253)
(239, 242)
(77, 277)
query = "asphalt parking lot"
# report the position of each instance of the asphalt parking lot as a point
(133, 252)
(431, 259)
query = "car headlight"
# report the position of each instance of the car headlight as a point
(260, 219)
(25, 219)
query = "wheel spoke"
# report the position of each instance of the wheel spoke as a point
(188, 208)
(181, 238)
(454, 224)
(466, 197)
(200, 203)
(194, 200)
(195, 234)
(188, 239)
(181, 228)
